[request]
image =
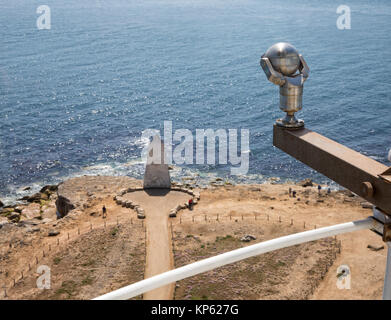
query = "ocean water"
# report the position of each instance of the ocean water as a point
(75, 99)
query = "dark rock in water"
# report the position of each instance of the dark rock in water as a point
(1, 204)
(53, 233)
(49, 189)
(306, 183)
(35, 197)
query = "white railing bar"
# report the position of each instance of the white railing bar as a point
(234, 256)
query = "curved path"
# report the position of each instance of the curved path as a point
(157, 204)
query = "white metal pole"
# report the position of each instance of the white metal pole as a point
(387, 277)
(233, 256)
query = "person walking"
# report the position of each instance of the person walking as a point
(104, 212)
(191, 204)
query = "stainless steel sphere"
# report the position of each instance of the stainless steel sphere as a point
(284, 58)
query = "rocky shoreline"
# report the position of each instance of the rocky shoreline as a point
(54, 202)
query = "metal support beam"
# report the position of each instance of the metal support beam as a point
(352, 170)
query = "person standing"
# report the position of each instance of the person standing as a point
(191, 204)
(104, 212)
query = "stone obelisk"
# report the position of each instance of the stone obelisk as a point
(156, 173)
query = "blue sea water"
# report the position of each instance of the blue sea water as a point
(75, 99)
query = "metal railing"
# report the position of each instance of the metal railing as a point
(247, 252)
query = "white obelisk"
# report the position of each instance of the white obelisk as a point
(156, 173)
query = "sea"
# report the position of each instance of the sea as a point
(75, 98)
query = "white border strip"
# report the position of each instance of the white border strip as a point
(233, 256)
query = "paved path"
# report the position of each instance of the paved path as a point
(157, 205)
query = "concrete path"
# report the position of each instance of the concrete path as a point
(157, 204)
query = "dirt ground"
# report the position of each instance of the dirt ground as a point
(263, 202)
(86, 258)
(289, 273)
(96, 259)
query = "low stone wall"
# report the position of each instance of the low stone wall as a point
(121, 201)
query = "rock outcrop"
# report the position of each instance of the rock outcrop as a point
(77, 193)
